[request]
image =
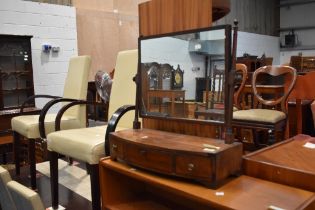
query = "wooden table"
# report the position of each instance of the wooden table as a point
(171, 94)
(287, 162)
(124, 187)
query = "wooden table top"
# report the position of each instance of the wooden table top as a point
(289, 154)
(243, 192)
(153, 138)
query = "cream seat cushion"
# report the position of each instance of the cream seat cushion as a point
(259, 115)
(85, 144)
(24, 198)
(27, 125)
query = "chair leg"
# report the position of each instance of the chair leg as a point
(16, 144)
(53, 157)
(95, 186)
(32, 162)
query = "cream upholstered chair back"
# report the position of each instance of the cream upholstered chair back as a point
(6, 202)
(24, 198)
(123, 88)
(76, 85)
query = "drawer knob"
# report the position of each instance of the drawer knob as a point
(114, 147)
(190, 166)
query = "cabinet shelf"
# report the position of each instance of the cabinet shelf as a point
(14, 55)
(8, 91)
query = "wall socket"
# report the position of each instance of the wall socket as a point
(195, 68)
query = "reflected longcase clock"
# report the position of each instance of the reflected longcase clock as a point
(177, 78)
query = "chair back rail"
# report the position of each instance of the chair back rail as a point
(242, 68)
(275, 71)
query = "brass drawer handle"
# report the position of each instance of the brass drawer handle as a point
(190, 166)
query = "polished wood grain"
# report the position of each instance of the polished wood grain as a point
(177, 154)
(132, 188)
(288, 163)
(164, 16)
(187, 127)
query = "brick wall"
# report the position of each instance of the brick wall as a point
(47, 23)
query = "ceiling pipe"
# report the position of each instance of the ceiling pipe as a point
(297, 28)
(293, 3)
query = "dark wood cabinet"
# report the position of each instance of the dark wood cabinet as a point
(16, 81)
(16, 71)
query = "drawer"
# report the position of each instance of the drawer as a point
(148, 158)
(194, 166)
(116, 149)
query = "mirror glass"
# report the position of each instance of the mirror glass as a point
(183, 74)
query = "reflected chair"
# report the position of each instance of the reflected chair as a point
(217, 112)
(87, 144)
(15, 196)
(271, 120)
(37, 126)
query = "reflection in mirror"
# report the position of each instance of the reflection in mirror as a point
(183, 75)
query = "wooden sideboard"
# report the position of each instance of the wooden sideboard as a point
(125, 187)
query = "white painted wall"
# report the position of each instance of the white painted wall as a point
(175, 52)
(47, 23)
(296, 16)
(257, 44)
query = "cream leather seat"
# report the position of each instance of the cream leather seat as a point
(6, 202)
(15, 196)
(28, 125)
(87, 144)
(24, 198)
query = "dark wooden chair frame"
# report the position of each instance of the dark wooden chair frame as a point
(93, 169)
(278, 127)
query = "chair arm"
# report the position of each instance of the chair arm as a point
(42, 115)
(36, 96)
(66, 107)
(112, 123)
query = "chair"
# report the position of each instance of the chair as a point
(267, 119)
(24, 198)
(15, 196)
(6, 202)
(36, 126)
(87, 144)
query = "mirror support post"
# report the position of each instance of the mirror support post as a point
(229, 138)
(136, 122)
